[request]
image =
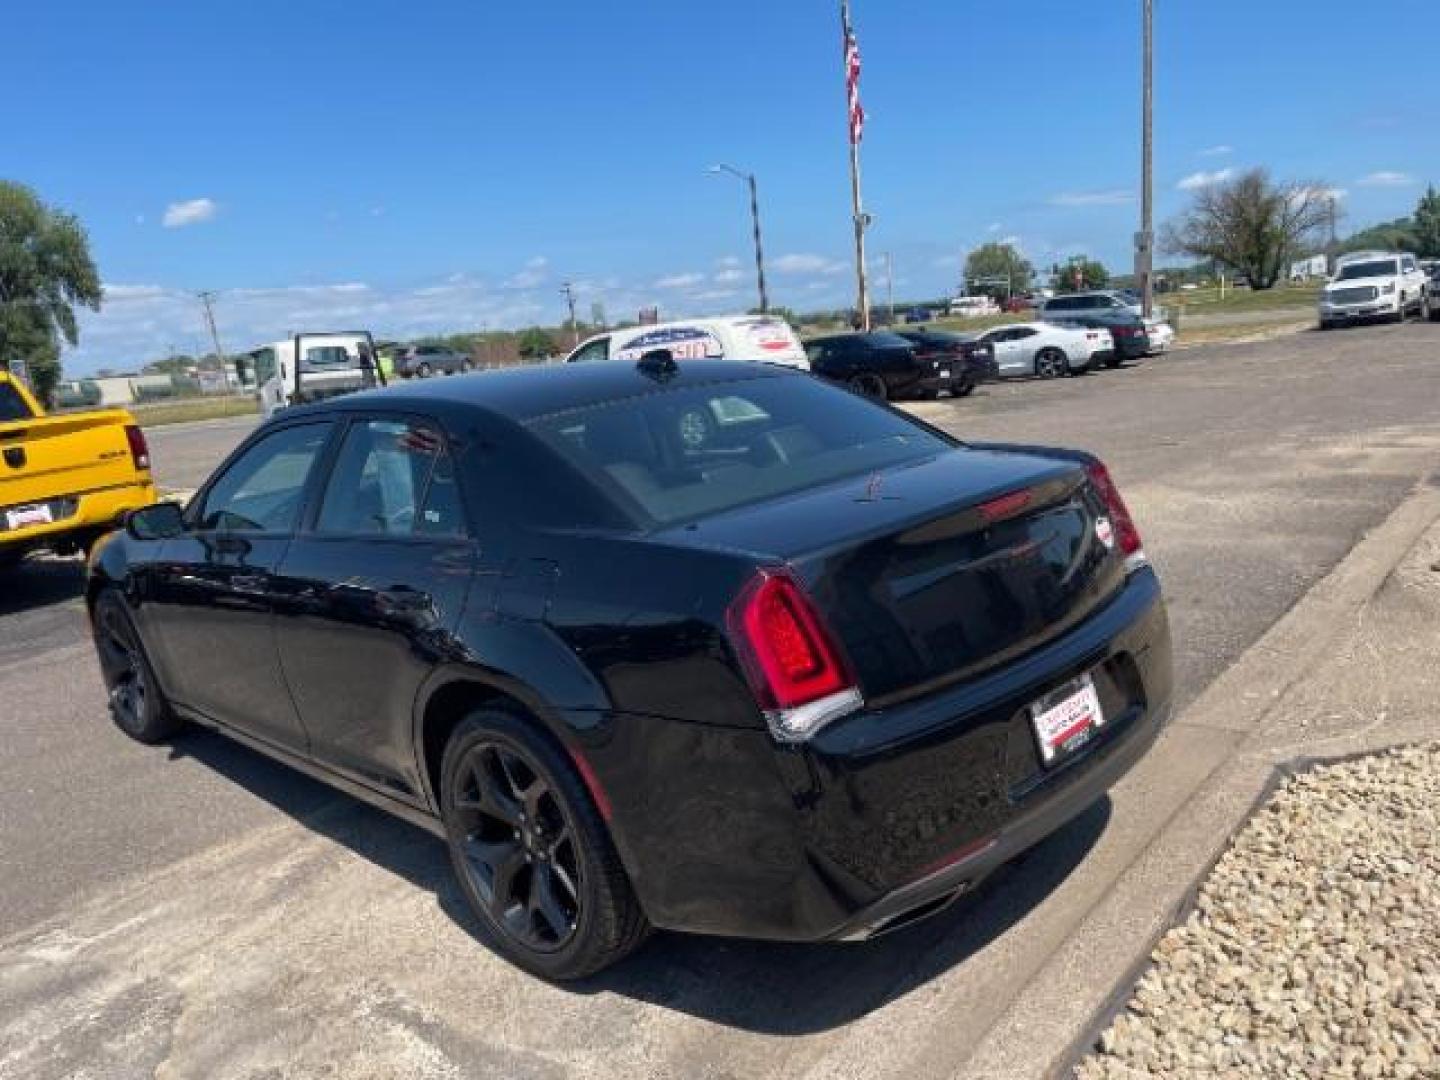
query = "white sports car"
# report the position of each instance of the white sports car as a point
(1047, 351)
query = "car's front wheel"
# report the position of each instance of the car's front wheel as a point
(533, 856)
(424, 371)
(136, 704)
(869, 385)
(1431, 307)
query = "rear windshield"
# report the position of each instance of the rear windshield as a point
(1352, 271)
(12, 405)
(693, 452)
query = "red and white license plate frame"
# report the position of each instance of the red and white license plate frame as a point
(1066, 719)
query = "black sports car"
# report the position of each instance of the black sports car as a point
(710, 646)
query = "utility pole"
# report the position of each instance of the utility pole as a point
(749, 179)
(1145, 242)
(568, 291)
(207, 299)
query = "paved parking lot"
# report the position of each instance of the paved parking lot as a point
(204, 909)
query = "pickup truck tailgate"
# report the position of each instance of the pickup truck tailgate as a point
(54, 457)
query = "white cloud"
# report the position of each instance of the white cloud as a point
(1386, 178)
(1093, 198)
(1202, 179)
(729, 262)
(713, 295)
(189, 212)
(679, 281)
(809, 264)
(535, 272)
(1217, 151)
(729, 276)
(995, 226)
(1011, 241)
(122, 293)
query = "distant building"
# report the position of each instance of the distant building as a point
(1317, 266)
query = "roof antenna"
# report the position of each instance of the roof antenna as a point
(658, 364)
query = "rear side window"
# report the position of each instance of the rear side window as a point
(12, 405)
(1063, 304)
(685, 454)
(392, 478)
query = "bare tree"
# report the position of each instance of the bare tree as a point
(1252, 224)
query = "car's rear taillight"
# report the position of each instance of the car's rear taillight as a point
(797, 672)
(1127, 536)
(139, 448)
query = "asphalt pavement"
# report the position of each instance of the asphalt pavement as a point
(201, 907)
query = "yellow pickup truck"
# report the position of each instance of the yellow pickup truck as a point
(65, 480)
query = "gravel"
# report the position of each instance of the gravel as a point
(1314, 947)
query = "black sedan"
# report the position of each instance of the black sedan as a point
(882, 365)
(714, 647)
(969, 360)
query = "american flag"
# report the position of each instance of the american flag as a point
(852, 79)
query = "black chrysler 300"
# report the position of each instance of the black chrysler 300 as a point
(712, 647)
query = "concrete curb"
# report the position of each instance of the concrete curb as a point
(1045, 1026)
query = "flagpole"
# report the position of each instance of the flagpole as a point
(851, 105)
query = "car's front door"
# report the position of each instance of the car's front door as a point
(1026, 343)
(371, 589)
(208, 612)
(1006, 351)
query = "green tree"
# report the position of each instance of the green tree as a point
(1078, 274)
(1252, 224)
(535, 344)
(1427, 224)
(45, 271)
(998, 270)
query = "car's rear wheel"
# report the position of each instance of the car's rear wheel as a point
(136, 704)
(1051, 364)
(965, 388)
(424, 370)
(868, 385)
(531, 852)
(466, 366)
(1432, 307)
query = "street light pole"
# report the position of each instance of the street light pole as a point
(890, 286)
(749, 179)
(1145, 242)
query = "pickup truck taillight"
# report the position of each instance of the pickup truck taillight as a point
(139, 448)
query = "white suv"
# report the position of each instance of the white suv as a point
(1373, 284)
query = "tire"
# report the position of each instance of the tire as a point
(466, 367)
(1326, 324)
(514, 805)
(136, 704)
(1114, 361)
(1051, 364)
(1432, 308)
(424, 370)
(965, 389)
(871, 386)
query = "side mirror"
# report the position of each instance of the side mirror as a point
(158, 522)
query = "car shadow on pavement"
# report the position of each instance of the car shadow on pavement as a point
(763, 987)
(40, 582)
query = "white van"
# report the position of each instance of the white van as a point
(330, 364)
(757, 338)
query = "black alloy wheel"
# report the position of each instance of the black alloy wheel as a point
(136, 704)
(868, 385)
(532, 855)
(1050, 364)
(965, 388)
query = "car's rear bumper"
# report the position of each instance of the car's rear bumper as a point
(888, 813)
(76, 517)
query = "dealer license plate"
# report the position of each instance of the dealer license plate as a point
(1066, 719)
(945, 373)
(21, 516)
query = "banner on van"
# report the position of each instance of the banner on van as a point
(684, 343)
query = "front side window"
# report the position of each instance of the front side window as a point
(599, 349)
(265, 368)
(392, 478)
(262, 491)
(685, 454)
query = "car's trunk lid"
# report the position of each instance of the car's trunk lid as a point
(932, 572)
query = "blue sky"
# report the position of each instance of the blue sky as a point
(445, 164)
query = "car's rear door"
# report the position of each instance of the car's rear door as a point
(372, 588)
(209, 598)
